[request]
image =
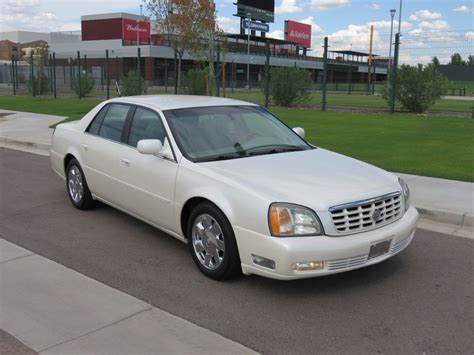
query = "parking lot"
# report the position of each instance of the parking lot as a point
(419, 301)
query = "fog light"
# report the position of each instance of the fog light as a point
(260, 260)
(308, 266)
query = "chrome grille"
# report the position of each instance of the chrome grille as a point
(346, 263)
(367, 214)
(398, 247)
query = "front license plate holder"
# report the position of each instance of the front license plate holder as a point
(379, 249)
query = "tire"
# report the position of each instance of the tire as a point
(76, 186)
(212, 244)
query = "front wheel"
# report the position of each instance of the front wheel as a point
(212, 242)
(77, 188)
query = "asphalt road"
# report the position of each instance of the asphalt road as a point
(419, 301)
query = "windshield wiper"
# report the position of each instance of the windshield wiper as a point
(222, 157)
(274, 148)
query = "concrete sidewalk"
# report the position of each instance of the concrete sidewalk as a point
(26, 131)
(440, 200)
(55, 310)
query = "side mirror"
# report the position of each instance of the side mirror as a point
(155, 147)
(299, 131)
(150, 146)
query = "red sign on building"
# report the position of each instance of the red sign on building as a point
(298, 32)
(131, 28)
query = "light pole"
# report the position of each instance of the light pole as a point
(138, 26)
(248, 50)
(392, 14)
(400, 18)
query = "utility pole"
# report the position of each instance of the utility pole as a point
(393, 77)
(267, 72)
(400, 18)
(107, 80)
(248, 51)
(325, 73)
(54, 75)
(79, 73)
(369, 66)
(392, 14)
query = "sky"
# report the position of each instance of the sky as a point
(345, 22)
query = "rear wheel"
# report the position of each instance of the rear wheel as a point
(212, 242)
(77, 188)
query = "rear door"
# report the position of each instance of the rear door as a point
(147, 181)
(102, 151)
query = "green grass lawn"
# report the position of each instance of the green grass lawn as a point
(429, 146)
(337, 100)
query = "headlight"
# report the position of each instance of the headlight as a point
(287, 220)
(405, 192)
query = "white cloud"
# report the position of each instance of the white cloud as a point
(437, 25)
(385, 25)
(463, 9)
(229, 24)
(375, 6)
(328, 4)
(288, 7)
(423, 15)
(276, 34)
(315, 28)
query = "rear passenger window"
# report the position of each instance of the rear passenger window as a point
(97, 122)
(113, 122)
(146, 124)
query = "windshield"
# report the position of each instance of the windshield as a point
(229, 132)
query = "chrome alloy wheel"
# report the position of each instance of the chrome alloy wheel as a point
(208, 241)
(74, 183)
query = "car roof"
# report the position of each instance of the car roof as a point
(171, 102)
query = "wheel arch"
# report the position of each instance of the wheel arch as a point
(67, 158)
(188, 207)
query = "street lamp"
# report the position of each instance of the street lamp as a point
(138, 26)
(248, 50)
(392, 14)
(400, 18)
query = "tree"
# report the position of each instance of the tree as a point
(130, 84)
(417, 87)
(175, 21)
(195, 82)
(188, 26)
(38, 57)
(289, 85)
(456, 59)
(435, 61)
(470, 60)
(82, 84)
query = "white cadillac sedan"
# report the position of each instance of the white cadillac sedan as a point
(244, 191)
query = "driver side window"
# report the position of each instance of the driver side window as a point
(146, 124)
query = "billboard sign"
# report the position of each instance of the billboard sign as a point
(256, 26)
(132, 28)
(298, 32)
(261, 10)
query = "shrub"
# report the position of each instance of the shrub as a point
(289, 86)
(417, 87)
(82, 84)
(41, 83)
(129, 84)
(195, 82)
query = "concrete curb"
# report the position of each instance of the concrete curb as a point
(443, 216)
(30, 144)
(461, 220)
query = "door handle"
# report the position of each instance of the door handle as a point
(126, 162)
(85, 147)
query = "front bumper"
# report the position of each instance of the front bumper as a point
(339, 254)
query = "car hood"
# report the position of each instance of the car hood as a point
(315, 178)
